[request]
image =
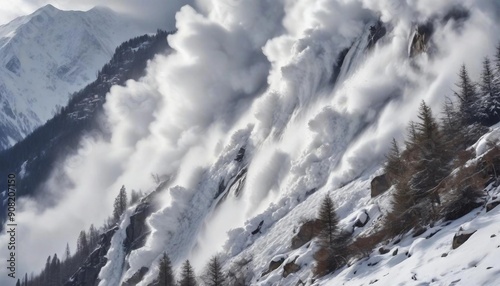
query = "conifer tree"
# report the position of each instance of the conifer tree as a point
(451, 126)
(469, 102)
(329, 222)
(187, 275)
(489, 94)
(213, 274)
(18, 283)
(120, 204)
(55, 271)
(165, 275)
(67, 252)
(333, 242)
(93, 237)
(82, 245)
(432, 165)
(394, 167)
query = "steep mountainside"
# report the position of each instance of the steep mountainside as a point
(283, 143)
(37, 155)
(48, 55)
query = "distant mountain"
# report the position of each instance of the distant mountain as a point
(46, 56)
(34, 157)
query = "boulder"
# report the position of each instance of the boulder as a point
(491, 205)
(461, 237)
(275, 264)
(379, 185)
(290, 268)
(362, 219)
(309, 230)
(137, 277)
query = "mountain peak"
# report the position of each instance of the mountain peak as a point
(49, 8)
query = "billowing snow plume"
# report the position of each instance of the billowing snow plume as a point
(259, 74)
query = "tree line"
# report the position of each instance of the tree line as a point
(57, 271)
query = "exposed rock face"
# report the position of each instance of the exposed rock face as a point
(275, 264)
(87, 275)
(461, 237)
(377, 31)
(136, 278)
(309, 230)
(379, 185)
(419, 43)
(491, 205)
(290, 268)
(137, 232)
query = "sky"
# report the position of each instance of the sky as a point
(156, 13)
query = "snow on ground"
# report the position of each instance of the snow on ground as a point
(428, 260)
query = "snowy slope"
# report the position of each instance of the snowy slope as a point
(256, 75)
(46, 56)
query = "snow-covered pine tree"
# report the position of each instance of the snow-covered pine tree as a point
(489, 113)
(394, 166)
(432, 164)
(187, 275)
(469, 101)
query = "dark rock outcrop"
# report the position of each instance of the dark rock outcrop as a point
(136, 278)
(240, 155)
(491, 205)
(377, 31)
(290, 268)
(460, 238)
(379, 185)
(136, 231)
(420, 41)
(275, 264)
(87, 274)
(309, 230)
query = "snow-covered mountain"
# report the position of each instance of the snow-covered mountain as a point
(47, 56)
(261, 111)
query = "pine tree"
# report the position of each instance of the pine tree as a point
(332, 253)
(431, 167)
(18, 283)
(394, 167)
(166, 274)
(55, 270)
(82, 245)
(187, 275)
(120, 204)
(67, 253)
(452, 129)
(469, 101)
(213, 274)
(93, 237)
(489, 95)
(46, 273)
(329, 222)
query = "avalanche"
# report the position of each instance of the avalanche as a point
(259, 75)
